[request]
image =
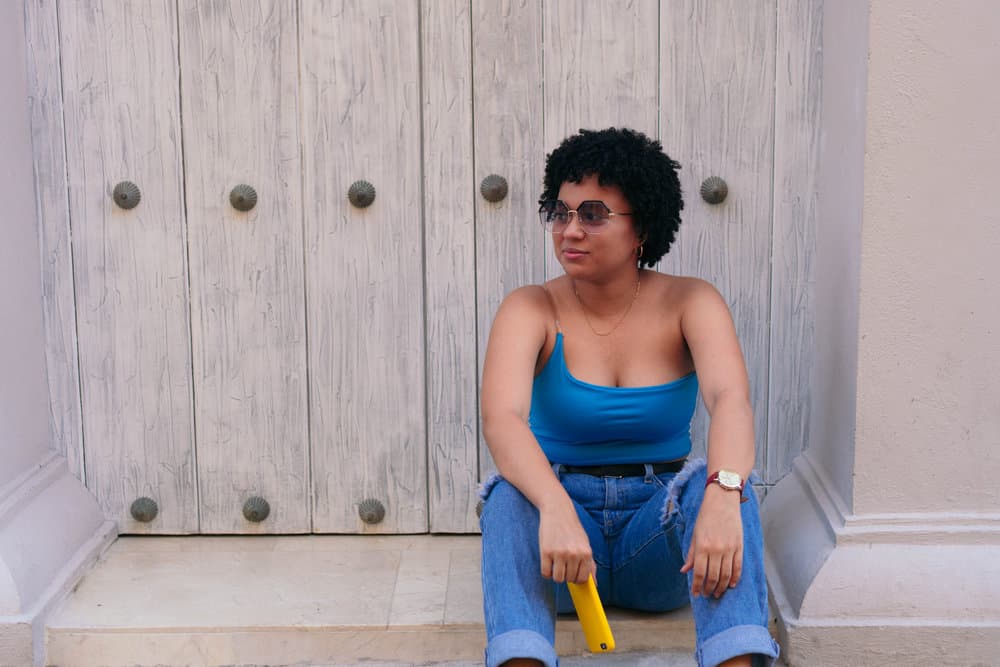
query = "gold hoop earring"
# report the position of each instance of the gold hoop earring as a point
(640, 250)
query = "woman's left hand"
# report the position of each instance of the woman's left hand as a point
(716, 551)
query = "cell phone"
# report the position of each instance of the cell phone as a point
(590, 611)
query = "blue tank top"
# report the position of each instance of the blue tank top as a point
(578, 423)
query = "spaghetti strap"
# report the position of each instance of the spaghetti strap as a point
(555, 311)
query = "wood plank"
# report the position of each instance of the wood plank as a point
(122, 123)
(239, 65)
(507, 103)
(361, 120)
(450, 254)
(716, 119)
(796, 152)
(59, 307)
(601, 63)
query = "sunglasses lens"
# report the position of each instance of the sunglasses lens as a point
(593, 216)
(593, 211)
(553, 214)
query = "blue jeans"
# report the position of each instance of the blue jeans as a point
(640, 530)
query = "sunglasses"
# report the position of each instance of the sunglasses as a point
(593, 216)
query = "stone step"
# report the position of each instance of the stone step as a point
(309, 600)
(616, 659)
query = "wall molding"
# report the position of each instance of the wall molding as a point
(51, 532)
(855, 589)
(893, 527)
(30, 483)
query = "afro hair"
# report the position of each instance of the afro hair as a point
(635, 164)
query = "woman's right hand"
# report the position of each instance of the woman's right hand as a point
(564, 546)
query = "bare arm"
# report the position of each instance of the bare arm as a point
(517, 337)
(722, 377)
(716, 552)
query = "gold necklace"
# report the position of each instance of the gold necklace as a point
(620, 319)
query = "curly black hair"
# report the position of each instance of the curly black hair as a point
(638, 166)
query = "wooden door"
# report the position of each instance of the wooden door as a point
(239, 84)
(450, 265)
(360, 108)
(723, 125)
(317, 353)
(129, 265)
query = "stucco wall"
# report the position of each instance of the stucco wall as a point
(23, 395)
(929, 338)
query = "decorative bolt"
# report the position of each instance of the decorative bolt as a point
(371, 511)
(361, 194)
(144, 509)
(714, 190)
(493, 188)
(126, 194)
(256, 509)
(243, 197)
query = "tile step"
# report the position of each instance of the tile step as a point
(310, 600)
(630, 659)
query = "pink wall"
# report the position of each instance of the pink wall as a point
(929, 338)
(24, 435)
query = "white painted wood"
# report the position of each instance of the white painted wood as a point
(507, 102)
(122, 123)
(600, 71)
(361, 120)
(49, 161)
(716, 119)
(363, 276)
(450, 252)
(239, 78)
(796, 153)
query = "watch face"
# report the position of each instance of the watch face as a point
(730, 480)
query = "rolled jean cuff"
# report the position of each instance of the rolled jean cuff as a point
(520, 644)
(739, 640)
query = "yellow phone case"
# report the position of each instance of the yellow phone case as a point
(590, 611)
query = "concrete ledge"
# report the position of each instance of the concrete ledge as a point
(335, 645)
(51, 532)
(292, 600)
(875, 589)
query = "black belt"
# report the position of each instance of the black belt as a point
(625, 469)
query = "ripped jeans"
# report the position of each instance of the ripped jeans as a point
(640, 530)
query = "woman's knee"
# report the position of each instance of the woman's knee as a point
(504, 503)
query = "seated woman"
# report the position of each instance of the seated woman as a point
(589, 386)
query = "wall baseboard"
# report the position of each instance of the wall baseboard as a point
(51, 532)
(868, 589)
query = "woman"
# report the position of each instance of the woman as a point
(589, 385)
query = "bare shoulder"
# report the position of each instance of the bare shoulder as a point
(529, 308)
(703, 311)
(527, 300)
(680, 293)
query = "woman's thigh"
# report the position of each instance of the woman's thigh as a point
(588, 496)
(647, 557)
